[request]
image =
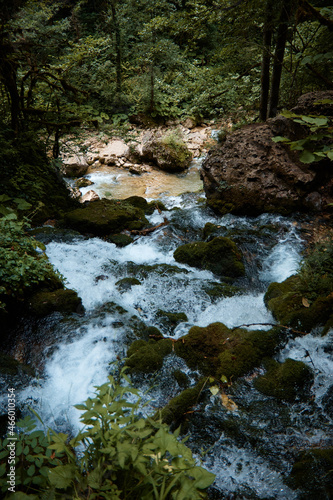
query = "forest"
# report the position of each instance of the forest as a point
(105, 68)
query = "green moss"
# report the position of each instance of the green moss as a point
(218, 291)
(209, 229)
(313, 473)
(216, 350)
(120, 240)
(147, 357)
(286, 301)
(220, 255)
(45, 302)
(288, 381)
(127, 283)
(181, 379)
(104, 217)
(178, 406)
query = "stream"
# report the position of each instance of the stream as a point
(251, 449)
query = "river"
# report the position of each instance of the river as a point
(75, 353)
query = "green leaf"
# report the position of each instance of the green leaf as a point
(279, 138)
(307, 157)
(330, 155)
(4, 198)
(203, 477)
(214, 390)
(62, 476)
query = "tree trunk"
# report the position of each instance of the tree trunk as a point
(118, 48)
(8, 77)
(266, 59)
(285, 15)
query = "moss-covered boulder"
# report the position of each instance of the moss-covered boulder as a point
(103, 217)
(291, 307)
(287, 381)
(312, 473)
(216, 350)
(220, 255)
(62, 300)
(168, 152)
(147, 357)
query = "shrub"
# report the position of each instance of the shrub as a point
(121, 454)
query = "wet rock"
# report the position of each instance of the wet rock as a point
(216, 350)
(169, 320)
(291, 308)
(312, 473)
(64, 301)
(127, 283)
(181, 378)
(250, 174)
(220, 255)
(168, 152)
(103, 217)
(181, 404)
(209, 229)
(12, 367)
(288, 381)
(83, 182)
(147, 357)
(120, 240)
(217, 291)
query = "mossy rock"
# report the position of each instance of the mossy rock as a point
(291, 308)
(220, 255)
(145, 270)
(218, 291)
(46, 302)
(10, 366)
(120, 240)
(181, 404)
(286, 381)
(147, 357)
(127, 283)
(168, 153)
(143, 331)
(169, 320)
(104, 217)
(216, 350)
(83, 182)
(312, 473)
(148, 207)
(181, 378)
(209, 229)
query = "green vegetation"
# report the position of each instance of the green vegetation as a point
(22, 269)
(118, 455)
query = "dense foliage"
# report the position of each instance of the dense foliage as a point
(118, 455)
(70, 61)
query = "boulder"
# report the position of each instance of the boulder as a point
(90, 195)
(74, 166)
(220, 255)
(216, 350)
(147, 357)
(286, 381)
(62, 300)
(168, 152)
(250, 174)
(103, 217)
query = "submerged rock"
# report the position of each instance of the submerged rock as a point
(312, 473)
(169, 320)
(220, 255)
(287, 381)
(103, 217)
(250, 174)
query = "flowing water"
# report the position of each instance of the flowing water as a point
(250, 449)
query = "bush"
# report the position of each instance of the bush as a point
(120, 455)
